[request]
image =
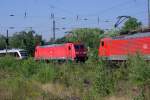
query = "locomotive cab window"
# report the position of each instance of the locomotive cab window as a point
(102, 43)
(69, 48)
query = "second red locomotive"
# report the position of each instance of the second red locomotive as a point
(118, 48)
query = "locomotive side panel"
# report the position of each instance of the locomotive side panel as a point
(43, 53)
(59, 52)
(141, 45)
(120, 48)
(130, 46)
(64, 51)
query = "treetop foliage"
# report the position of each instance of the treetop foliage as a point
(88, 36)
(24, 40)
(131, 24)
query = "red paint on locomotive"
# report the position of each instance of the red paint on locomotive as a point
(67, 51)
(118, 48)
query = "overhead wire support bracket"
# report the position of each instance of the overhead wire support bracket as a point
(121, 19)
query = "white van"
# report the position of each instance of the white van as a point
(17, 53)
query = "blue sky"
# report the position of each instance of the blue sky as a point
(38, 14)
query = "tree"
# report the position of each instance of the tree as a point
(26, 40)
(2, 42)
(131, 24)
(90, 37)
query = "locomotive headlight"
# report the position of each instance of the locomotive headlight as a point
(77, 52)
(84, 52)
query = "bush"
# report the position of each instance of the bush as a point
(8, 63)
(19, 89)
(104, 83)
(46, 73)
(29, 67)
(21, 78)
(67, 74)
(139, 70)
(139, 75)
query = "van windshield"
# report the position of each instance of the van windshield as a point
(23, 53)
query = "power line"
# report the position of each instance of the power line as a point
(110, 8)
(148, 12)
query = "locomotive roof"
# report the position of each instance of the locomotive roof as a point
(52, 45)
(131, 36)
(11, 50)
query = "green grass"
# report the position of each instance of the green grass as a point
(94, 80)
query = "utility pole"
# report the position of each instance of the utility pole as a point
(54, 30)
(54, 26)
(7, 42)
(148, 1)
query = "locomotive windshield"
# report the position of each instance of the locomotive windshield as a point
(78, 47)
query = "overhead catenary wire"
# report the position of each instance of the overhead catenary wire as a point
(127, 2)
(95, 19)
(78, 15)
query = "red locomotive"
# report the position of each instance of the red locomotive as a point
(117, 48)
(68, 51)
